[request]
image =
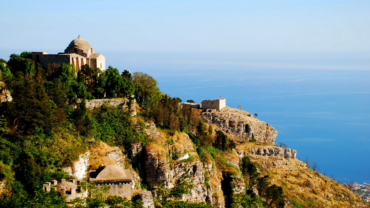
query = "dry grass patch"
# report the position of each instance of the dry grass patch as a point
(307, 186)
(156, 150)
(101, 148)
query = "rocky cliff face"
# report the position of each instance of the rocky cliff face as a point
(79, 168)
(146, 197)
(156, 163)
(241, 124)
(281, 152)
(4, 93)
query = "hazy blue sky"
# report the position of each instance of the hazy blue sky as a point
(223, 26)
(302, 65)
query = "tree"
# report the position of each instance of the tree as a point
(147, 93)
(351, 186)
(89, 76)
(24, 63)
(307, 163)
(129, 87)
(314, 166)
(31, 106)
(250, 172)
(190, 101)
(276, 196)
(255, 115)
(223, 142)
(113, 82)
(282, 145)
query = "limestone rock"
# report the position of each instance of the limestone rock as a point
(79, 167)
(281, 152)
(147, 198)
(196, 172)
(156, 165)
(241, 124)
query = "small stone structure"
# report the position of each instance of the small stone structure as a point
(116, 178)
(70, 189)
(79, 52)
(217, 104)
(97, 103)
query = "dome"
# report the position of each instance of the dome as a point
(81, 44)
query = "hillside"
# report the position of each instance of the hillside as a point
(66, 124)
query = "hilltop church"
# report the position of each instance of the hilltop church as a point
(79, 52)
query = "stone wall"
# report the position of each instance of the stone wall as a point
(97, 103)
(54, 59)
(118, 189)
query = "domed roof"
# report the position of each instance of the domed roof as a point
(113, 173)
(80, 43)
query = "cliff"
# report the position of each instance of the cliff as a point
(218, 178)
(241, 124)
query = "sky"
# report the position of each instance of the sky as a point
(189, 26)
(303, 66)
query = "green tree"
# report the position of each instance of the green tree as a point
(223, 142)
(24, 63)
(250, 172)
(114, 82)
(31, 106)
(147, 93)
(129, 87)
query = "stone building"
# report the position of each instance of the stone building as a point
(118, 180)
(79, 52)
(217, 104)
(69, 189)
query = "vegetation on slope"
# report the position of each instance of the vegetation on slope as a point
(46, 127)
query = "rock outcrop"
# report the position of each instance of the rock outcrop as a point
(79, 167)
(241, 124)
(196, 174)
(281, 152)
(146, 197)
(4, 93)
(156, 165)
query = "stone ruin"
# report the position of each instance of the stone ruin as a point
(69, 189)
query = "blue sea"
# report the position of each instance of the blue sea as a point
(318, 102)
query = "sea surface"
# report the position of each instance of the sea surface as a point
(318, 102)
